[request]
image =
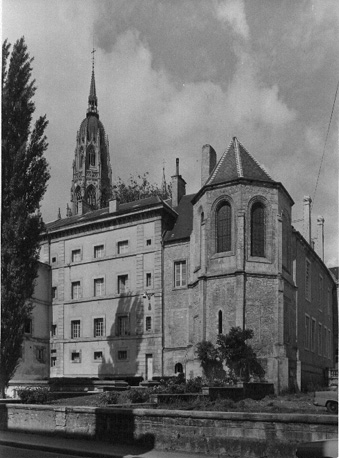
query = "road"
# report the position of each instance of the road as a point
(15, 452)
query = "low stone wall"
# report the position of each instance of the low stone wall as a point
(227, 434)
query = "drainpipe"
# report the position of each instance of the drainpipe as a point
(245, 276)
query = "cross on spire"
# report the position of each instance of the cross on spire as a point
(92, 52)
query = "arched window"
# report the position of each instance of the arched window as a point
(91, 198)
(224, 227)
(91, 156)
(258, 230)
(178, 368)
(220, 322)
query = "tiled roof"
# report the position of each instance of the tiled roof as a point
(102, 212)
(183, 226)
(237, 162)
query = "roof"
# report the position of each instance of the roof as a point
(103, 212)
(335, 272)
(237, 162)
(183, 226)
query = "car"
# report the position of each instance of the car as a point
(328, 399)
(318, 449)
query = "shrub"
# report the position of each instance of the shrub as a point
(108, 397)
(134, 396)
(35, 395)
(194, 385)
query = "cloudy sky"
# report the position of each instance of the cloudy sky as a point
(173, 75)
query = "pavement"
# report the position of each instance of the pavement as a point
(87, 448)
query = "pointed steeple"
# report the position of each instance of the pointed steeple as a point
(92, 98)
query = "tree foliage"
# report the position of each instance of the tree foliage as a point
(139, 187)
(234, 351)
(238, 355)
(24, 178)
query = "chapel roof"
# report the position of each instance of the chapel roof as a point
(237, 162)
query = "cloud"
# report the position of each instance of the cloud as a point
(233, 13)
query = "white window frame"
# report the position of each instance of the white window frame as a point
(99, 287)
(76, 255)
(75, 328)
(180, 278)
(96, 321)
(99, 251)
(76, 292)
(123, 247)
(123, 283)
(78, 360)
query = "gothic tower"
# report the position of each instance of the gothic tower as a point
(92, 172)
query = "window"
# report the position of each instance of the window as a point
(325, 341)
(98, 327)
(313, 332)
(307, 332)
(321, 292)
(148, 242)
(148, 279)
(320, 337)
(180, 274)
(122, 325)
(75, 329)
(28, 326)
(308, 280)
(54, 330)
(76, 255)
(148, 323)
(76, 356)
(224, 227)
(123, 247)
(123, 284)
(178, 369)
(78, 198)
(76, 290)
(122, 355)
(40, 354)
(54, 259)
(99, 251)
(258, 230)
(98, 356)
(53, 358)
(220, 322)
(328, 301)
(54, 292)
(99, 286)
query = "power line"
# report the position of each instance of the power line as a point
(328, 130)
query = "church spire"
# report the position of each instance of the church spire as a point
(92, 98)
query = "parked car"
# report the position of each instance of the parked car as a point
(318, 449)
(328, 399)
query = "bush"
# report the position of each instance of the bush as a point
(194, 385)
(134, 396)
(108, 397)
(35, 395)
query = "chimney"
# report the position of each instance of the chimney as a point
(208, 161)
(320, 236)
(59, 214)
(113, 204)
(307, 219)
(178, 186)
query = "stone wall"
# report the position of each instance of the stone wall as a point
(227, 434)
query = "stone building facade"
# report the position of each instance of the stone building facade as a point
(135, 286)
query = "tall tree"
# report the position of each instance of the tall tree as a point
(139, 187)
(24, 180)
